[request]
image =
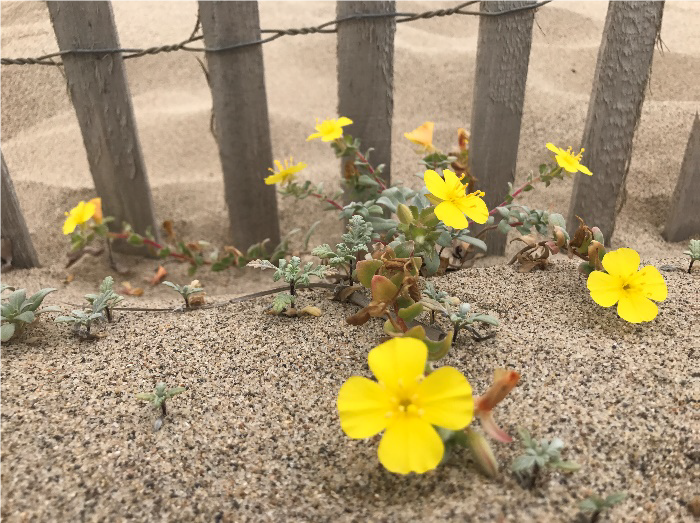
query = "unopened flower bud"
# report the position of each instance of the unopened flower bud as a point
(482, 453)
(404, 214)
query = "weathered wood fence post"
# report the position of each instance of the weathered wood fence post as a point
(502, 59)
(100, 95)
(684, 217)
(237, 81)
(14, 229)
(366, 76)
(619, 86)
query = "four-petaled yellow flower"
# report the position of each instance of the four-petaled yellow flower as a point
(78, 215)
(330, 130)
(452, 200)
(630, 288)
(423, 136)
(569, 161)
(405, 404)
(285, 173)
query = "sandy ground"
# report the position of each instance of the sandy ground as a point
(256, 436)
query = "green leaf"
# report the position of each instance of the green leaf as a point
(164, 252)
(476, 242)
(503, 211)
(135, 239)
(365, 181)
(7, 331)
(569, 466)
(35, 300)
(484, 318)
(503, 227)
(523, 463)
(365, 271)
(411, 313)
(589, 505)
(26, 317)
(16, 299)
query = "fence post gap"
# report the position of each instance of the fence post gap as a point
(17, 247)
(619, 85)
(502, 59)
(100, 96)
(684, 217)
(242, 127)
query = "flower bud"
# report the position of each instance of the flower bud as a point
(404, 214)
(482, 453)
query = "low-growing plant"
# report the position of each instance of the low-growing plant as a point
(295, 274)
(354, 242)
(186, 291)
(157, 399)
(106, 298)
(18, 311)
(538, 456)
(595, 505)
(693, 253)
(83, 320)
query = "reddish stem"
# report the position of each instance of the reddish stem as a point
(371, 170)
(150, 243)
(328, 200)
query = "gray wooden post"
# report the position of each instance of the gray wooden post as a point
(684, 218)
(237, 81)
(14, 229)
(619, 86)
(502, 58)
(100, 95)
(366, 76)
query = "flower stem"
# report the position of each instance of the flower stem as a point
(150, 243)
(362, 158)
(328, 200)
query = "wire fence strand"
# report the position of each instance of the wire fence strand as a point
(325, 28)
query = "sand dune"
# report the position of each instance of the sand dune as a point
(434, 67)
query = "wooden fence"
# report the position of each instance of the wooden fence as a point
(100, 94)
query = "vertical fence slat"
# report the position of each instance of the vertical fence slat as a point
(684, 217)
(502, 58)
(237, 81)
(14, 228)
(100, 96)
(619, 85)
(366, 76)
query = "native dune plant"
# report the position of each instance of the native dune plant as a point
(186, 291)
(106, 297)
(538, 456)
(295, 274)
(693, 253)
(18, 311)
(595, 505)
(83, 320)
(159, 395)
(354, 242)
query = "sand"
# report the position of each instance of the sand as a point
(256, 436)
(247, 446)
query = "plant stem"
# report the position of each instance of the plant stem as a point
(108, 313)
(162, 408)
(692, 260)
(328, 200)
(150, 243)
(362, 158)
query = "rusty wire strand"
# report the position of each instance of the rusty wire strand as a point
(327, 27)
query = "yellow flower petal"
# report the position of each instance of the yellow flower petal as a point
(410, 444)
(651, 283)
(69, 225)
(474, 207)
(446, 399)
(422, 136)
(584, 170)
(363, 406)
(449, 214)
(453, 182)
(554, 148)
(343, 121)
(398, 363)
(605, 289)
(313, 136)
(635, 308)
(97, 202)
(435, 184)
(273, 179)
(622, 262)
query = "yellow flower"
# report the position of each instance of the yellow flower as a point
(330, 130)
(405, 404)
(423, 136)
(630, 288)
(78, 215)
(569, 161)
(453, 202)
(97, 202)
(285, 173)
